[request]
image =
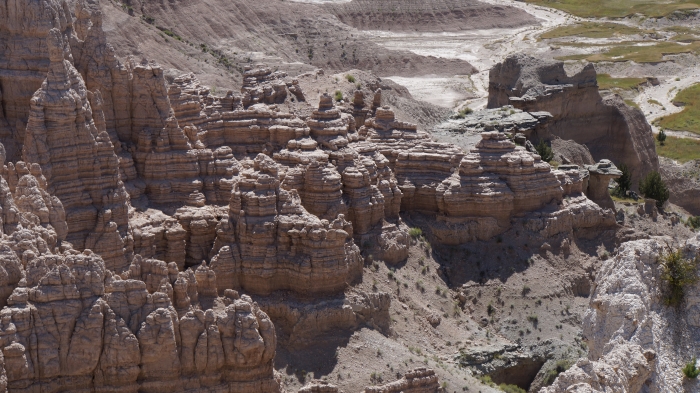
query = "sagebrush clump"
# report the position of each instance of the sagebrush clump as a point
(677, 274)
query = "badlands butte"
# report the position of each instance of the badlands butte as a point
(348, 196)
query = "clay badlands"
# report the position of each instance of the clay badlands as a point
(349, 196)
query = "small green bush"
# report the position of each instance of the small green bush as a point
(464, 112)
(545, 151)
(511, 388)
(552, 374)
(350, 78)
(690, 370)
(661, 137)
(338, 95)
(677, 273)
(694, 222)
(415, 232)
(652, 186)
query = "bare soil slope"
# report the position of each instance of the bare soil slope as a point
(217, 38)
(428, 16)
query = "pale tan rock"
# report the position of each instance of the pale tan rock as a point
(317, 386)
(601, 174)
(420, 380)
(271, 235)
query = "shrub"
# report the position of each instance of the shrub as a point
(661, 137)
(690, 371)
(624, 183)
(350, 78)
(677, 273)
(415, 232)
(694, 222)
(545, 151)
(464, 112)
(338, 95)
(511, 388)
(552, 374)
(653, 187)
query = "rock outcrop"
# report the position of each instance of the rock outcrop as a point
(601, 174)
(77, 157)
(683, 183)
(270, 242)
(420, 380)
(634, 338)
(77, 326)
(607, 126)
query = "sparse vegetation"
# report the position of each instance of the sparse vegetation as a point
(606, 82)
(592, 30)
(679, 149)
(338, 95)
(350, 78)
(689, 118)
(693, 222)
(661, 137)
(652, 186)
(677, 274)
(624, 183)
(415, 232)
(618, 8)
(545, 151)
(552, 374)
(464, 112)
(690, 370)
(509, 388)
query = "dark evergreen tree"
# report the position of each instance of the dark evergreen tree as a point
(545, 151)
(652, 186)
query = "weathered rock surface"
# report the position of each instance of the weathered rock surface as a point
(635, 340)
(77, 157)
(683, 183)
(601, 174)
(270, 242)
(420, 380)
(76, 326)
(608, 127)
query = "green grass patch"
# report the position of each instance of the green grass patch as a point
(592, 30)
(618, 8)
(679, 149)
(689, 118)
(644, 53)
(606, 82)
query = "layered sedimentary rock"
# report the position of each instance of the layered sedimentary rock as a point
(270, 242)
(607, 126)
(77, 157)
(75, 326)
(495, 181)
(683, 183)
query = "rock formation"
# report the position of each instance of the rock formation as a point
(601, 174)
(607, 126)
(420, 380)
(632, 335)
(77, 157)
(270, 242)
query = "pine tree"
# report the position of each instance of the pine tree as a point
(661, 137)
(653, 187)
